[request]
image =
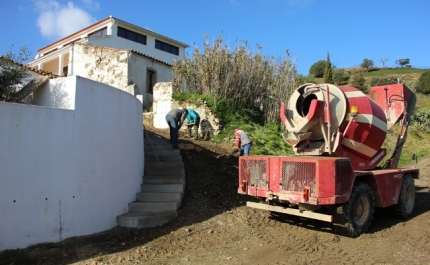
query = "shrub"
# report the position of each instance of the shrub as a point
(423, 85)
(358, 81)
(340, 77)
(421, 119)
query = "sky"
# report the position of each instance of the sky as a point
(348, 30)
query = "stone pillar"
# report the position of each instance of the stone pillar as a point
(162, 103)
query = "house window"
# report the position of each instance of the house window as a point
(98, 33)
(131, 35)
(166, 47)
(151, 80)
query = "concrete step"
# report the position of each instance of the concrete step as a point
(153, 207)
(166, 146)
(161, 158)
(156, 140)
(165, 172)
(141, 220)
(163, 165)
(163, 180)
(158, 196)
(175, 152)
(176, 187)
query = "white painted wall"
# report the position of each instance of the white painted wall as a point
(90, 159)
(57, 93)
(149, 49)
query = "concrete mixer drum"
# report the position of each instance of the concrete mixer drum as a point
(300, 105)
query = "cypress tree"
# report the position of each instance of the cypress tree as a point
(328, 71)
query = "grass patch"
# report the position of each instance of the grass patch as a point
(381, 72)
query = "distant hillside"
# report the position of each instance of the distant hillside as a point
(406, 75)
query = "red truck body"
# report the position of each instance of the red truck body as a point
(338, 166)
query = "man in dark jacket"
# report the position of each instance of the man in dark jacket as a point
(175, 118)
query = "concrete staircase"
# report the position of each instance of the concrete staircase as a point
(162, 188)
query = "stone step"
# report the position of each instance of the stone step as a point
(175, 187)
(141, 220)
(153, 207)
(165, 172)
(158, 196)
(163, 179)
(161, 158)
(163, 165)
(175, 152)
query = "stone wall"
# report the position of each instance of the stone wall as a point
(163, 103)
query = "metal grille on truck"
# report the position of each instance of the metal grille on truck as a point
(257, 172)
(298, 175)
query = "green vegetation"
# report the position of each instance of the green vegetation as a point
(392, 71)
(402, 62)
(340, 77)
(423, 85)
(358, 81)
(317, 69)
(367, 64)
(328, 71)
(237, 78)
(12, 73)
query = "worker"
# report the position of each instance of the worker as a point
(243, 142)
(175, 118)
(193, 119)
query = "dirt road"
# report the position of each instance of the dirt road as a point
(214, 227)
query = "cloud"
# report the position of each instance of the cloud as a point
(90, 4)
(56, 21)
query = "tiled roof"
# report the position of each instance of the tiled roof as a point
(152, 58)
(50, 75)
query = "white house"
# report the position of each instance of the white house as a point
(114, 52)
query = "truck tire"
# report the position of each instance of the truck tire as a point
(358, 211)
(406, 202)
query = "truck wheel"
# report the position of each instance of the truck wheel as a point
(405, 205)
(358, 212)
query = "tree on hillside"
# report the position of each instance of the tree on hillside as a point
(317, 69)
(12, 74)
(423, 85)
(367, 64)
(358, 81)
(383, 61)
(328, 71)
(402, 62)
(238, 77)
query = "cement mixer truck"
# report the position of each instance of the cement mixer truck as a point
(337, 134)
